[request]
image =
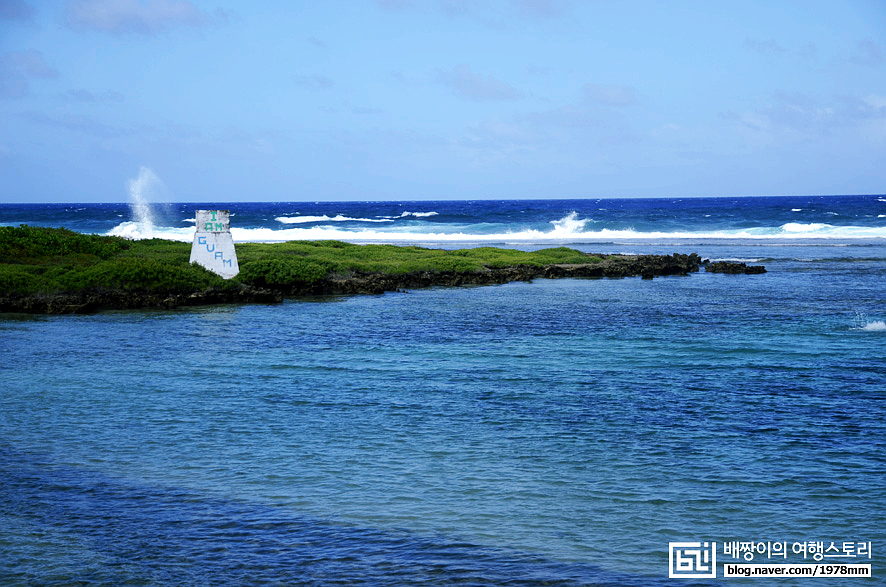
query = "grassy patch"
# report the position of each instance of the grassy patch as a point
(342, 258)
(46, 260)
(27, 244)
(56, 260)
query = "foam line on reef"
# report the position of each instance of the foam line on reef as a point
(569, 229)
(133, 230)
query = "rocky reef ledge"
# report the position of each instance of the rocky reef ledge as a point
(58, 271)
(90, 302)
(603, 266)
(360, 282)
(734, 268)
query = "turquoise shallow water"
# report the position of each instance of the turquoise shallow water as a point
(553, 433)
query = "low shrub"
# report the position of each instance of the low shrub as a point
(138, 274)
(281, 272)
(21, 280)
(32, 243)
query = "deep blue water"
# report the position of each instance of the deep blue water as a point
(548, 433)
(488, 222)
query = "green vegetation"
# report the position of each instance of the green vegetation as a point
(49, 260)
(53, 260)
(313, 260)
(27, 245)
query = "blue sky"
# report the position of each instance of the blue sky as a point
(440, 99)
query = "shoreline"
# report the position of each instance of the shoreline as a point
(363, 283)
(58, 271)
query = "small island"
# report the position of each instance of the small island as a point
(58, 271)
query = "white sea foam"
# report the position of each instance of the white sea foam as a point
(569, 229)
(141, 189)
(325, 218)
(134, 231)
(794, 227)
(569, 225)
(822, 230)
(417, 214)
(862, 322)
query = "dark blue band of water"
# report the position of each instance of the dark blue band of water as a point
(129, 534)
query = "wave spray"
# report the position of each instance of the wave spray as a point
(140, 191)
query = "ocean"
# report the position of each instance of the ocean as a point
(560, 432)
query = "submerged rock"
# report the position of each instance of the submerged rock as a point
(734, 268)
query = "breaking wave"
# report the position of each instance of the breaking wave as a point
(138, 231)
(568, 229)
(417, 214)
(862, 322)
(324, 218)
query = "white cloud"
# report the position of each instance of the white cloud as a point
(136, 16)
(29, 63)
(18, 67)
(539, 70)
(474, 86)
(16, 10)
(766, 47)
(230, 141)
(496, 143)
(313, 82)
(868, 53)
(801, 115)
(81, 95)
(458, 7)
(809, 51)
(771, 48)
(878, 102)
(666, 130)
(394, 4)
(543, 8)
(610, 95)
(77, 123)
(593, 128)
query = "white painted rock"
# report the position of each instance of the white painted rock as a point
(213, 246)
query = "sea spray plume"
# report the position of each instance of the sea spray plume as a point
(568, 225)
(140, 191)
(862, 322)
